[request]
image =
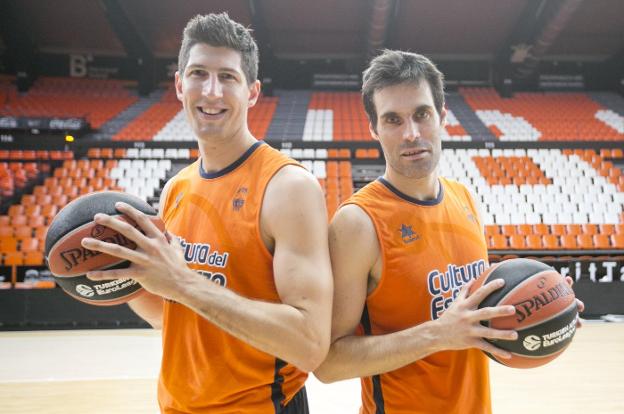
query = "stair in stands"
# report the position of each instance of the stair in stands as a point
(128, 115)
(290, 116)
(468, 119)
(609, 100)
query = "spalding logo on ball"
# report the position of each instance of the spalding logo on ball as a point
(546, 312)
(69, 261)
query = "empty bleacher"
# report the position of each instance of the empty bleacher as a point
(96, 100)
(545, 116)
(340, 116)
(533, 198)
(166, 121)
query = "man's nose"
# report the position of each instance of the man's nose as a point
(412, 131)
(212, 87)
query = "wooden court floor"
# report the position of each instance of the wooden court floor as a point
(114, 371)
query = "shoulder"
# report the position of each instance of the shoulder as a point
(293, 180)
(353, 243)
(293, 196)
(352, 222)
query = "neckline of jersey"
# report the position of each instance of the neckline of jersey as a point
(230, 167)
(413, 200)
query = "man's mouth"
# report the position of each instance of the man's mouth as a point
(413, 152)
(211, 111)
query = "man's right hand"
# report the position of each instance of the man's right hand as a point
(460, 325)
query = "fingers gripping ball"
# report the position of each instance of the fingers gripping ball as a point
(546, 312)
(69, 261)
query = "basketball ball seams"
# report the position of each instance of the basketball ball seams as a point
(105, 292)
(546, 311)
(524, 362)
(81, 211)
(513, 275)
(111, 302)
(69, 261)
(64, 262)
(537, 357)
(55, 251)
(510, 292)
(570, 307)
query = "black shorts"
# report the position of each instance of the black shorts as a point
(298, 404)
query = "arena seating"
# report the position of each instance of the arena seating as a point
(166, 121)
(545, 116)
(533, 199)
(97, 100)
(544, 199)
(340, 116)
(147, 125)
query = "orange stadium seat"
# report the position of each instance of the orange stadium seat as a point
(541, 229)
(550, 241)
(568, 242)
(534, 242)
(607, 229)
(8, 243)
(617, 241)
(509, 229)
(498, 242)
(601, 241)
(491, 230)
(524, 229)
(22, 232)
(517, 242)
(13, 259)
(585, 241)
(29, 245)
(19, 220)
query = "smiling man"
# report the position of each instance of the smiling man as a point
(403, 249)
(245, 304)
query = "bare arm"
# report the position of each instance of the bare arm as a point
(354, 249)
(296, 330)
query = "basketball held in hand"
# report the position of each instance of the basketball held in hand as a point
(69, 261)
(546, 311)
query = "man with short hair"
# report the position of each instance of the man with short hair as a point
(403, 249)
(245, 305)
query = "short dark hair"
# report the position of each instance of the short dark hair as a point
(219, 30)
(393, 67)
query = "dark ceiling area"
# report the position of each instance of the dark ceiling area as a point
(513, 35)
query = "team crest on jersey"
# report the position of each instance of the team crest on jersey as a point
(407, 234)
(239, 199)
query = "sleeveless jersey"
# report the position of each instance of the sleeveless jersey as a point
(216, 217)
(430, 249)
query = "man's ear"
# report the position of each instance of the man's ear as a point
(371, 129)
(443, 115)
(178, 85)
(254, 92)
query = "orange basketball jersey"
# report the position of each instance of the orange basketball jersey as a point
(430, 249)
(216, 218)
